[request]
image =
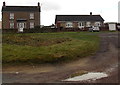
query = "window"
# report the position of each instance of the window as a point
(81, 24)
(31, 24)
(31, 15)
(11, 15)
(97, 24)
(21, 25)
(88, 24)
(69, 24)
(11, 24)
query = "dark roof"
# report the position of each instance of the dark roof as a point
(20, 8)
(78, 18)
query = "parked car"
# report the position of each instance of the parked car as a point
(94, 29)
(90, 29)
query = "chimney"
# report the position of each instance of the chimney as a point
(38, 4)
(3, 3)
(90, 13)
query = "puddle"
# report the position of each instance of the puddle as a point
(88, 76)
(112, 68)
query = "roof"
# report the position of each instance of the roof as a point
(78, 18)
(20, 8)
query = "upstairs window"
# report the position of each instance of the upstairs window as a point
(31, 15)
(69, 24)
(31, 24)
(11, 15)
(11, 24)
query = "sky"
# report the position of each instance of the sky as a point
(108, 9)
(119, 12)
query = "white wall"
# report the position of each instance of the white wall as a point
(112, 27)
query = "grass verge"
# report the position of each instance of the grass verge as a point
(48, 47)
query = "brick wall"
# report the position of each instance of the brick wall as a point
(19, 15)
(75, 24)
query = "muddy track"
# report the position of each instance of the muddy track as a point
(105, 60)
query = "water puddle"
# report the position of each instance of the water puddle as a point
(88, 76)
(112, 68)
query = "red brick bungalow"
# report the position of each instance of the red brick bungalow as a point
(78, 21)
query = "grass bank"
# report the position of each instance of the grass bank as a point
(48, 47)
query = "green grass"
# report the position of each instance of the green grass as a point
(48, 47)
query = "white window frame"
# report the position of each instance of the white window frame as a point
(11, 24)
(88, 24)
(31, 15)
(81, 24)
(98, 24)
(32, 25)
(69, 24)
(19, 23)
(11, 15)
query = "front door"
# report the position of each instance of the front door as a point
(21, 26)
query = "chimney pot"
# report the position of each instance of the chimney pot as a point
(90, 13)
(3, 3)
(38, 4)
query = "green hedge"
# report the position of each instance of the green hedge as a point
(40, 30)
(34, 30)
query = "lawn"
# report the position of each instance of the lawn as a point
(48, 47)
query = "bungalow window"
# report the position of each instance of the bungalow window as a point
(81, 24)
(98, 24)
(11, 15)
(31, 15)
(69, 24)
(31, 24)
(11, 24)
(88, 24)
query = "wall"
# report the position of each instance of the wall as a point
(75, 24)
(112, 27)
(19, 15)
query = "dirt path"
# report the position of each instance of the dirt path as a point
(105, 60)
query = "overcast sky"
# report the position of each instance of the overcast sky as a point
(108, 9)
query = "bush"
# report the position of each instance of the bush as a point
(37, 29)
(9, 30)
